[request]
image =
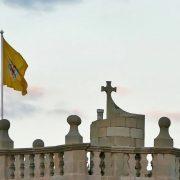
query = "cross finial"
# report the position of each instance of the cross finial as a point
(108, 89)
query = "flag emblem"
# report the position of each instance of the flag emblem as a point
(12, 70)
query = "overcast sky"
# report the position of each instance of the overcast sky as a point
(73, 46)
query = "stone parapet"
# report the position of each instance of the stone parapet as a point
(71, 161)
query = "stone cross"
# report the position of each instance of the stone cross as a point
(109, 103)
(108, 89)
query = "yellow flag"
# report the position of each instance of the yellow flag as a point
(14, 67)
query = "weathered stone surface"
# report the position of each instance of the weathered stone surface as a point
(140, 123)
(3, 167)
(118, 131)
(164, 166)
(101, 123)
(139, 142)
(102, 132)
(118, 122)
(95, 141)
(131, 122)
(94, 132)
(75, 162)
(104, 123)
(105, 141)
(136, 133)
(123, 141)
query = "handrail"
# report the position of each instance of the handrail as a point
(88, 147)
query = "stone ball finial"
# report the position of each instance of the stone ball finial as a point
(38, 143)
(74, 120)
(73, 137)
(164, 139)
(164, 122)
(4, 124)
(5, 141)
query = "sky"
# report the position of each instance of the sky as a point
(73, 47)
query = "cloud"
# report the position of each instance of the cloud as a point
(67, 112)
(19, 109)
(124, 91)
(36, 92)
(18, 106)
(59, 111)
(37, 4)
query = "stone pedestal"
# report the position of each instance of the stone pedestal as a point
(75, 162)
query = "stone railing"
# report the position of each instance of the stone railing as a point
(82, 161)
(86, 162)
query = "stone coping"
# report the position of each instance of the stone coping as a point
(88, 147)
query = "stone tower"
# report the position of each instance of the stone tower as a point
(120, 128)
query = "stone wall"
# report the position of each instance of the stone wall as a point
(121, 131)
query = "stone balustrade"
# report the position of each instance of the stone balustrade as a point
(116, 151)
(107, 163)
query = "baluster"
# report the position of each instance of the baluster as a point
(26, 165)
(59, 163)
(102, 163)
(12, 167)
(50, 164)
(138, 165)
(125, 171)
(87, 162)
(91, 164)
(131, 165)
(108, 164)
(17, 166)
(22, 166)
(96, 163)
(41, 165)
(31, 165)
(144, 164)
(47, 165)
(177, 168)
(150, 165)
(151, 172)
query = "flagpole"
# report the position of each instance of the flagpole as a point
(2, 103)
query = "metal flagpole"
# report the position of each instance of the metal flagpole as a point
(2, 103)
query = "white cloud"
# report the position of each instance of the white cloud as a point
(36, 4)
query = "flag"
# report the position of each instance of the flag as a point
(14, 67)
